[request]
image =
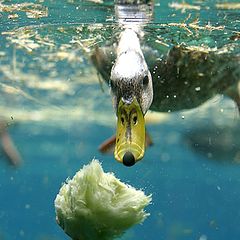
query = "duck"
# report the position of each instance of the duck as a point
(129, 80)
(183, 79)
(132, 94)
(142, 78)
(131, 89)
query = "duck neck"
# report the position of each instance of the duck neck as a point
(129, 41)
(132, 18)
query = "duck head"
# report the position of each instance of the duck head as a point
(132, 94)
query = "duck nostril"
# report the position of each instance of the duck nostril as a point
(135, 120)
(128, 159)
(122, 120)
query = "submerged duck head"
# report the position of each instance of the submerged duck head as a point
(132, 94)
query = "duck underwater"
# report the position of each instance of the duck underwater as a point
(141, 78)
(130, 83)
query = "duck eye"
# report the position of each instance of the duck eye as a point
(145, 81)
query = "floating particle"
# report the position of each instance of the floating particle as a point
(27, 206)
(21, 233)
(228, 5)
(13, 16)
(197, 89)
(203, 237)
(183, 6)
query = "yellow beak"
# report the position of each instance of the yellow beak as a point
(130, 137)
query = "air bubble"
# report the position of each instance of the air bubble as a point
(197, 89)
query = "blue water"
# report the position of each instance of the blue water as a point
(192, 170)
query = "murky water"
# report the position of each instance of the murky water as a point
(58, 110)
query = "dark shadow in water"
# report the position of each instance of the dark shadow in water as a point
(216, 143)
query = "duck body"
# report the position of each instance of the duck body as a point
(185, 77)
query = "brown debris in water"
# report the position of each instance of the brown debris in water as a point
(184, 6)
(32, 10)
(27, 38)
(36, 13)
(228, 6)
(235, 36)
(64, 52)
(194, 25)
(13, 16)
